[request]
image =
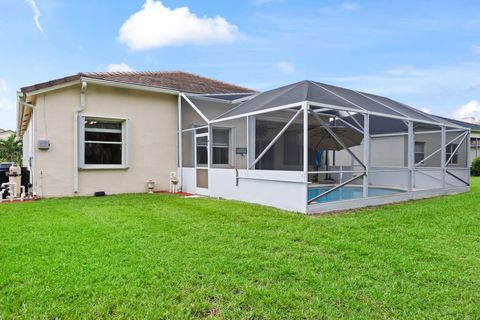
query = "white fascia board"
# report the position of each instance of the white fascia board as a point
(52, 88)
(125, 85)
(111, 83)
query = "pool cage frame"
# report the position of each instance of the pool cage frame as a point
(316, 110)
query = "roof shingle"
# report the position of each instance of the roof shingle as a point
(174, 80)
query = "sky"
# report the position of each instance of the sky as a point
(422, 53)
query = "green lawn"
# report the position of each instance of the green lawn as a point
(160, 256)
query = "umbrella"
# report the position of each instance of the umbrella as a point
(321, 138)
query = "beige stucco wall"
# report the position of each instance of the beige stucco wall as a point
(432, 143)
(387, 151)
(152, 140)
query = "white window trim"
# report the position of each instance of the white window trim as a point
(124, 143)
(230, 147)
(452, 147)
(415, 153)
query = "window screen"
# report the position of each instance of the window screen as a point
(202, 151)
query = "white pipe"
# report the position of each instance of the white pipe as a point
(22, 194)
(83, 93)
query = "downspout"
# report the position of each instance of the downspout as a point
(83, 93)
(33, 143)
(180, 143)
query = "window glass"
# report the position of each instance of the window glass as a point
(419, 151)
(220, 137)
(450, 148)
(103, 153)
(221, 146)
(220, 155)
(103, 142)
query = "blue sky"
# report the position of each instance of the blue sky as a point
(423, 53)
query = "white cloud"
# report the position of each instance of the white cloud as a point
(285, 67)
(119, 67)
(3, 85)
(6, 104)
(36, 15)
(470, 109)
(349, 6)
(476, 49)
(403, 69)
(156, 25)
(426, 110)
(435, 80)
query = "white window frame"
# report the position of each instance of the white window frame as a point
(124, 143)
(229, 147)
(452, 147)
(415, 153)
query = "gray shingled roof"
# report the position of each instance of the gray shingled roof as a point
(176, 80)
(473, 126)
(328, 95)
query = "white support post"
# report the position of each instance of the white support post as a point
(305, 141)
(251, 135)
(443, 155)
(469, 151)
(366, 152)
(209, 146)
(248, 141)
(411, 156)
(180, 144)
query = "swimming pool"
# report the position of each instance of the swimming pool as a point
(348, 193)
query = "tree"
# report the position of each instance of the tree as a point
(11, 149)
(476, 167)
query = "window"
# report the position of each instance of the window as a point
(419, 151)
(450, 149)
(221, 146)
(103, 143)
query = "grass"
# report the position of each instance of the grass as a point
(161, 256)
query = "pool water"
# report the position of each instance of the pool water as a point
(348, 193)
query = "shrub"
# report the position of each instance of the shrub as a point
(476, 167)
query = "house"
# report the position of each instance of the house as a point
(106, 131)
(4, 134)
(307, 147)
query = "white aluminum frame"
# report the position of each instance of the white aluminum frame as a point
(411, 168)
